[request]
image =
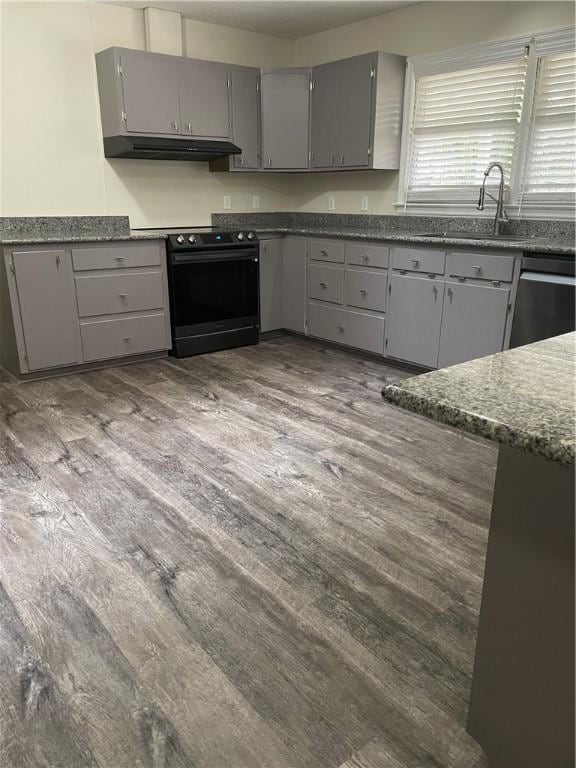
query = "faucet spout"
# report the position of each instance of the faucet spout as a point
(500, 214)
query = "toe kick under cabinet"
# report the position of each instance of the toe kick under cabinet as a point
(65, 306)
(428, 306)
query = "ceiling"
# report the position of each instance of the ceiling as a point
(284, 18)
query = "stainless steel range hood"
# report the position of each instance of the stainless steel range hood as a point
(156, 148)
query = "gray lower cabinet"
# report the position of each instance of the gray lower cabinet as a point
(414, 319)
(203, 88)
(473, 322)
(347, 327)
(271, 278)
(285, 119)
(69, 305)
(366, 289)
(294, 284)
(45, 302)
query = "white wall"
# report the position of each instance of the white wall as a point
(417, 29)
(51, 155)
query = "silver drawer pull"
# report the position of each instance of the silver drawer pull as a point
(435, 289)
(365, 257)
(450, 293)
(363, 292)
(126, 339)
(323, 285)
(477, 268)
(123, 295)
(324, 253)
(340, 328)
(416, 263)
(120, 258)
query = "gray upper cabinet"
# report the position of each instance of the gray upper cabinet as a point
(245, 97)
(203, 89)
(285, 119)
(46, 301)
(414, 319)
(473, 322)
(356, 112)
(150, 89)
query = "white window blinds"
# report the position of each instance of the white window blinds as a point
(462, 121)
(549, 178)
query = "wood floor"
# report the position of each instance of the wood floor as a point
(240, 560)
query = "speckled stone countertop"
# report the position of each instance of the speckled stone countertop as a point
(524, 397)
(540, 236)
(25, 230)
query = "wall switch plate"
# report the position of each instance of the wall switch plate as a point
(227, 202)
(255, 201)
(331, 203)
(364, 203)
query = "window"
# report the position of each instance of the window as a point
(513, 102)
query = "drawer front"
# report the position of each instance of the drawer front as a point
(113, 294)
(346, 327)
(480, 265)
(428, 260)
(326, 250)
(326, 283)
(367, 255)
(365, 289)
(123, 336)
(116, 256)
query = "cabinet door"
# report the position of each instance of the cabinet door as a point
(473, 322)
(354, 111)
(294, 284)
(271, 315)
(285, 119)
(203, 89)
(325, 127)
(414, 319)
(246, 116)
(47, 308)
(150, 86)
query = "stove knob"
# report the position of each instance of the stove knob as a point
(192, 239)
(250, 235)
(180, 239)
(240, 236)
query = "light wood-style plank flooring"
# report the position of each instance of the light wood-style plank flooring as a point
(240, 560)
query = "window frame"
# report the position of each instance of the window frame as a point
(534, 46)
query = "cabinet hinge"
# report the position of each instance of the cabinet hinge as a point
(124, 115)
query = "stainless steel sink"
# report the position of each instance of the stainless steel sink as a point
(479, 236)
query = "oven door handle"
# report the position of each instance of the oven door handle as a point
(210, 257)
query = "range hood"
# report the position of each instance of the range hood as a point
(155, 148)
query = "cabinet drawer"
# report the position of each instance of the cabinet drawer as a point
(122, 336)
(326, 283)
(346, 327)
(326, 250)
(480, 265)
(367, 255)
(112, 294)
(116, 256)
(365, 289)
(428, 260)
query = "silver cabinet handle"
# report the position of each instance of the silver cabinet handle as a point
(123, 295)
(120, 258)
(323, 285)
(126, 339)
(363, 292)
(365, 257)
(241, 159)
(323, 253)
(416, 263)
(174, 125)
(269, 160)
(340, 328)
(58, 262)
(341, 159)
(332, 158)
(189, 127)
(435, 289)
(478, 268)
(450, 294)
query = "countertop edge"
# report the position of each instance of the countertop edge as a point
(476, 424)
(79, 238)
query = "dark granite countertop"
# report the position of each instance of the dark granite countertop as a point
(68, 229)
(524, 397)
(540, 245)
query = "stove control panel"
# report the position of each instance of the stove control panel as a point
(196, 240)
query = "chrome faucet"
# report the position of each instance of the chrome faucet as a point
(500, 215)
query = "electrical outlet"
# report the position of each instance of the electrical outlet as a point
(364, 203)
(227, 202)
(255, 201)
(331, 203)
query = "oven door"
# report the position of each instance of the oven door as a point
(212, 292)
